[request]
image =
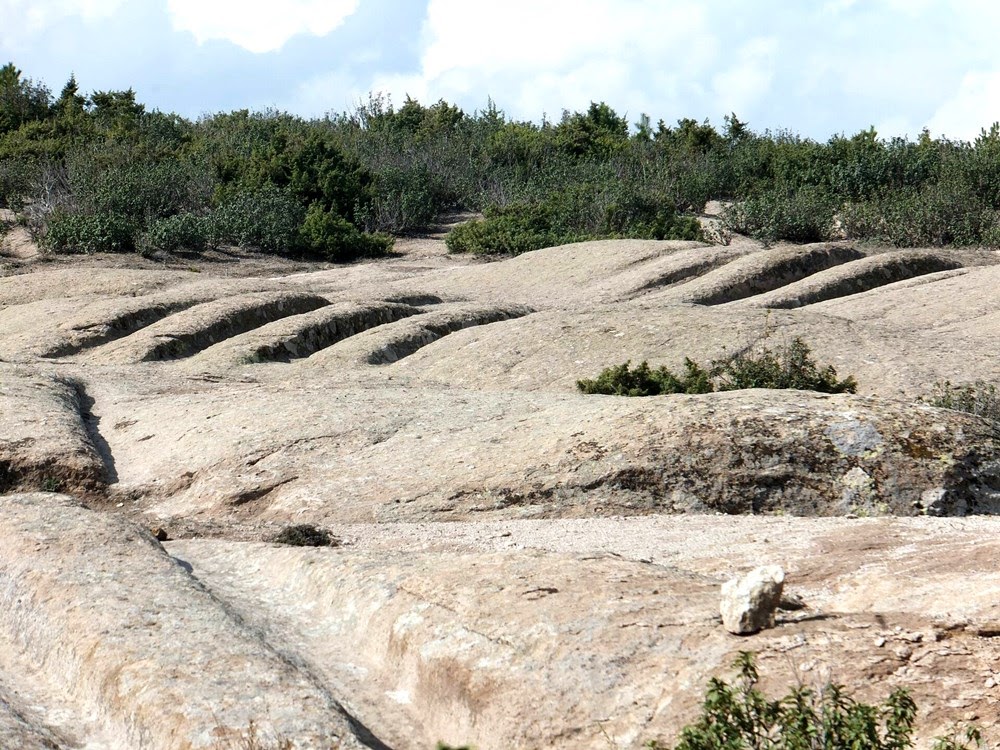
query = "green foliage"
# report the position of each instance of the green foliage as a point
(403, 199)
(979, 398)
(966, 738)
(738, 716)
(803, 215)
(305, 535)
(18, 178)
(184, 231)
(141, 191)
(599, 132)
(333, 237)
(645, 381)
(267, 218)
(755, 367)
(387, 169)
(21, 99)
(943, 213)
(99, 232)
(514, 230)
(790, 367)
(577, 212)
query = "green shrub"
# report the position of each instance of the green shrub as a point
(936, 215)
(305, 535)
(643, 218)
(90, 233)
(738, 716)
(513, 230)
(790, 367)
(182, 231)
(803, 215)
(267, 218)
(979, 398)
(755, 367)
(645, 381)
(336, 239)
(571, 215)
(404, 199)
(108, 181)
(17, 181)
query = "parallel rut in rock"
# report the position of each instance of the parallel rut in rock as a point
(765, 271)
(129, 638)
(857, 276)
(188, 332)
(299, 336)
(395, 341)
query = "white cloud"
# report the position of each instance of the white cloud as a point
(23, 19)
(533, 56)
(976, 105)
(258, 26)
(748, 80)
(898, 126)
(329, 92)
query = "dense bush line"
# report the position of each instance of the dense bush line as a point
(101, 172)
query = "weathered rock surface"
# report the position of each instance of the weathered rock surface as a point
(93, 611)
(573, 596)
(749, 603)
(44, 441)
(360, 454)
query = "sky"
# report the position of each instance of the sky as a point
(814, 67)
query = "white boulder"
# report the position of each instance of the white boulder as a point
(749, 603)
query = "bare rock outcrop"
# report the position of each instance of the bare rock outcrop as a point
(44, 440)
(750, 603)
(318, 453)
(95, 613)
(572, 601)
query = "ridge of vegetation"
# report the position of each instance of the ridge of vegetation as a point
(104, 173)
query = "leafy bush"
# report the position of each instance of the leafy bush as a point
(404, 199)
(335, 238)
(305, 535)
(803, 215)
(267, 218)
(91, 233)
(108, 181)
(570, 215)
(791, 367)
(979, 398)
(586, 176)
(643, 218)
(514, 230)
(738, 716)
(645, 381)
(937, 215)
(181, 231)
(17, 181)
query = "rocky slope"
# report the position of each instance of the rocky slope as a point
(522, 566)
